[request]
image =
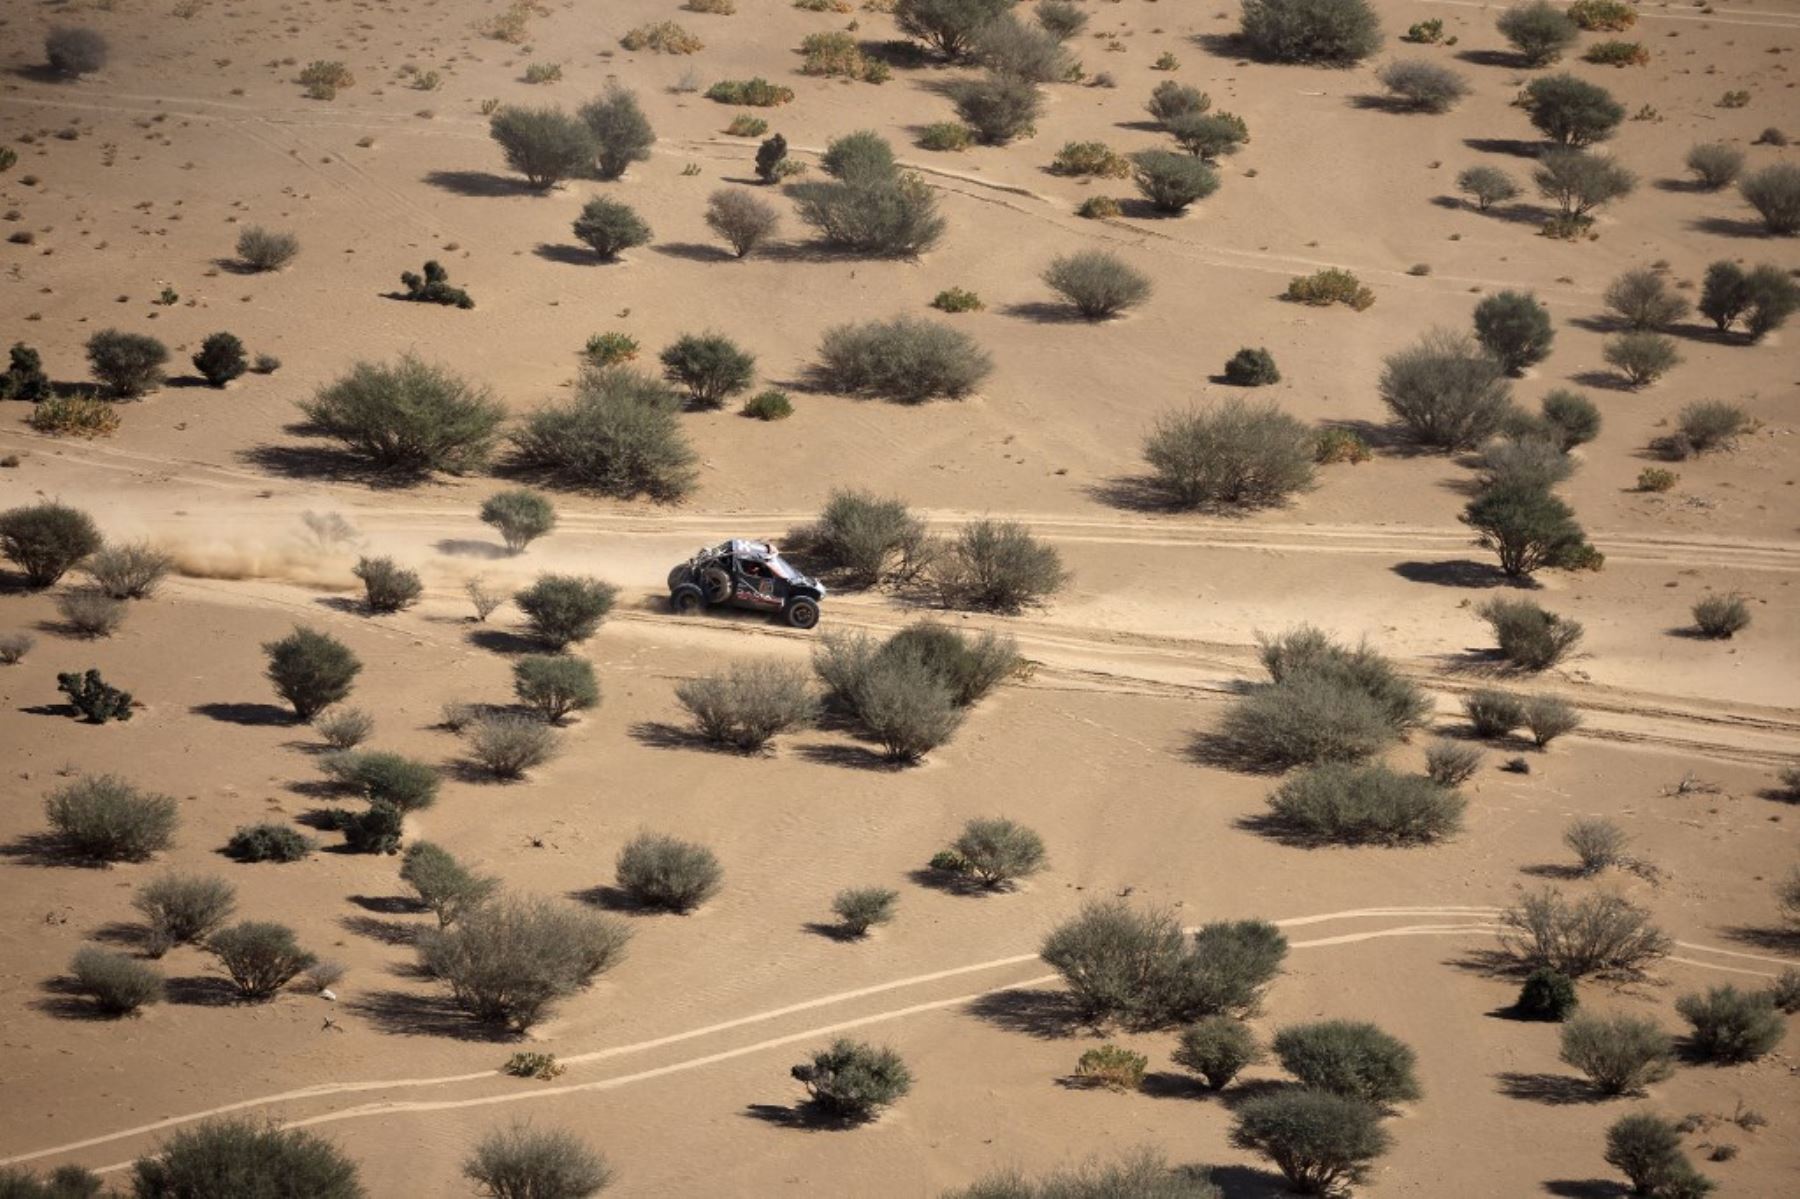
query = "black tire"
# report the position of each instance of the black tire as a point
(681, 574)
(715, 583)
(686, 600)
(802, 613)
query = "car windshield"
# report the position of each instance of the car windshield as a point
(780, 568)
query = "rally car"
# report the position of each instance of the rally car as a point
(745, 574)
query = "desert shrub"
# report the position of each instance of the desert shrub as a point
(129, 571)
(47, 539)
(1171, 99)
(1013, 50)
(555, 685)
(609, 228)
(1549, 717)
(1307, 719)
(433, 287)
(64, 1182)
(709, 366)
(1093, 160)
(75, 51)
(1602, 14)
(904, 705)
(263, 249)
(948, 26)
(507, 962)
(852, 1081)
(1494, 713)
(1514, 328)
(1642, 356)
(409, 418)
(1139, 1174)
(997, 108)
(1546, 994)
(1305, 651)
(660, 871)
(906, 359)
(1321, 1142)
(1539, 31)
(1097, 208)
(90, 612)
(1326, 32)
(861, 540)
(1423, 86)
(1112, 1067)
(1488, 185)
(1330, 286)
(1530, 637)
(837, 53)
(969, 666)
(621, 133)
(1709, 425)
(565, 609)
(73, 416)
(1251, 368)
(1206, 135)
(957, 299)
(997, 850)
(1347, 804)
(546, 145)
(1762, 297)
(998, 566)
(311, 670)
(507, 745)
(127, 364)
(1234, 454)
(1527, 528)
(859, 909)
(1172, 181)
(269, 843)
(882, 218)
(1784, 992)
(946, 135)
(1621, 1054)
(743, 220)
(1715, 164)
(95, 699)
(245, 1158)
(388, 587)
(1721, 615)
(443, 884)
(1647, 1149)
(1571, 111)
(610, 349)
(1216, 1048)
(183, 909)
(1597, 842)
(14, 647)
(748, 707)
(260, 957)
(1730, 1025)
(522, 1162)
(382, 777)
(1449, 764)
(745, 125)
(1098, 283)
(1580, 182)
(103, 818)
(323, 77)
(750, 93)
(521, 515)
(1645, 301)
(663, 37)
(1528, 457)
(376, 830)
(1060, 18)
(118, 985)
(1774, 191)
(1598, 934)
(1617, 54)
(618, 435)
(1350, 1059)
(221, 359)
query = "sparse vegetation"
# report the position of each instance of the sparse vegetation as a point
(862, 540)
(1546, 994)
(47, 539)
(522, 1162)
(1527, 528)
(1730, 1025)
(859, 909)
(1327, 287)
(1642, 356)
(1644, 300)
(1350, 1059)
(1515, 328)
(119, 986)
(1599, 934)
(1647, 1149)
(450, 889)
(1111, 1066)
(506, 745)
(93, 697)
(1488, 186)
(1097, 282)
(1597, 843)
(892, 217)
(947, 26)
(662, 37)
(1217, 1048)
(1762, 297)
(433, 287)
(1207, 135)
(75, 51)
(1721, 616)
(996, 851)
(741, 219)
(1140, 1174)
(1572, 112)
(90, 612)
(747, 707)
(1234, 454)
(1090, 160)
(103, 818)
(1622, 1054)
(1580, 183)
(710, 367)
(1549, 717)
(261, 249)
(269, 843)
(382, 777)
(750, 93)
(388, 587)
(508, 962)
(660, 871)
(521, 515)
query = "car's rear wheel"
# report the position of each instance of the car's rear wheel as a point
(802, 613)
(716, 584)
(687, 600)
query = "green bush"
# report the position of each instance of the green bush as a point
(1598, 843)
(1642, 356)
(565, 609)
(546, 145)
(130, 571)
(1206, 135)
(1217, 1048)
(443, 884)
(1647, 1150)
(1060, 18)
(1489, 186)
(103, 818)
(1549, 717)
(859, 909)
(1446, 392)
(75, 51)
(522, 1162)
(47, 539)
(24, 377)
(64, 1182)
(998, 109)
(1138, 1174)
(1621, 1054)
(1320, 1142)
(710, 367)
(660, 871)
(269, 843)
(1172, 181)
(1571, 111)
(1716, 164)
(1774, 191)
(1546, 994)
(1514, 328)
(221, 359)
(1731, 1025)
(1721, 616)
(262, 249)
(1643, 300)
(1234, 454)
(509, 961)
(609, 228)
(1530, 638)
(861, 540)
(750, 93)
(244, 1158)
(969, 666)
(182, 909)
(1600, 934)
(1097, 282)
(1423, 86)
(996, 851)
(260, 957)
(957, 299)
(618, 435)
(118, 985)
(620, 131)
(1449, 764)
(433, 287)
(93, 697)
(1762, 297)
(1171, 99)
(770, 405)
(90, 612)
(1111, 1066)
(1580, 183)
(1529, 457)
(771, 159)
(381, 777)
(1539, 31)
(1336, 33)
(1527, 527)
(906, 707)
(859, 157)
(409, 418)
(1602, 14)
(880, 218)
(610, 349)
(1344, 804)
(1784, 992)
(388, 586)
(507, 745)
(998, 566)
(1494, 713)
(906, 359)
(1350, 1059)
(1013, 50)
(948, 26)
(1251, 368)
(554, 685)
(852, 1081)
(743, 220)
(311, 670)
(946, 135)
(747, 707)
(127, 364)
(521, 515)
(1090, 160)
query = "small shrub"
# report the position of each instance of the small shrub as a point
(1621, 1054)
(555, 685)
(969, 667)
(260, 957)
(1340, 445)
(1599, 934)
(662, 872)
(565, 609)
(1494, 713)
(1598, 843)
(618, 435)
(622, 135)
(381, 777)
(710, 367)
(663, 37)
(183, 909)
(410, 418)
(1094, 160)
(1644, 300)
(1060, 18)
(748, 707)
(1528, 458)
(522, 1162)
(997, 851)
(75, 51)
(1655, 478)
(118, 985)
(1013, 50)
(1423, 86)
(1642, 357)
(893, 217)
(1784, 992)
(1217, 1048)
(262, 249)
(1488, 186)
(387, 586)
(1349, 1059)
(269, 843)
(852, 1081)
(835, 54)
(957, 299)
(546, 145)
(1251, 368)
(450, 889)
(906, 707)
(1113, 1067)
(1539, 31)
(1321, 1142)
(90, 612)
(1647, 1150)
(1330, 286)
(103, 818)
(1172, 181)
(1098, 283)
(1530, 638)
(73, 416)
(1236, 454)
(509, 961)
(859, 909)
(127, 364)
(1711, 424)
(1715, 164)
(750, 93)
(609, 228)
(1617, 54)
(221, 359)
(1762, 297)
(507, 745)
(1345, 804)
(14, 647)
(1449, 764)
(610, 349)
(946, 135)
(1527, 527)
(95, 699)
(1774, 191)
(1425, 33)
(1171, 99)
(543, 1066)
(998, 109)
(862, 540)
(1305, 720)
(1514, 328)
(1580, 183)
(1731, 1025)
(266, 364)
(1335, 33)
(254, 1158)
(129, 571)
(771, 158)
(1207, 135)
(1098, 208)
(1549, 717)
(521, 515)
(376, 830)
(1610, 15)
(311, 670)
(905, 359)
(1546, 994)
(743, 220)
(1721, 616)
(323, 78)
(998, 566)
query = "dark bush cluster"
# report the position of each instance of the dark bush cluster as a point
(609, 228)
(1528, 528)
(710, 367)
(1172, 181)
(1236, 454)
(747, 707)
(546, 145)
(103, 818)
(873, 208)
(127, 364)
(863, 540)
(909, 692)
(1647, 1149)
(433, 287)
(221, 359)
(244, 1157)
(908, 359)
(1320, 1142)
(621, 133)
(311, 670)
(1571, 111)
(1335, 33)
(75, 51)
(1515, 328)
(1347, 804)
(1730, 1025)
(260, 957)
(852, 1081)
(1353, 1059)
(96, 700)
(269, 843)
(1761, 298)
(565, 609)
(47, 539)
(618, 435)
(409, 418)
(1448, 393)
(509, 961)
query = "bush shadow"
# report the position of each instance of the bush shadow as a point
(950, 882)
(64, 999)
(1495, 964)
(1512, 147)
(1220, 752)
(1453, 572)
(693, 251)
(46, 849)
(1724, 226)
(500, 641)
(459, 547)
(482, 183)
(387, 932)
(1602, 380)
(1779, 940)
(567, 255)
(800, 1117)
(617, 900)
(1557, 1090)
(1248, 1182)
(833, 932)
(1047, 312)
(1586, 1188)
(1372, 102)
(1682, 186)
(291, 461)
(126, 933)
(1559, 871)
(1168, 1084)
(1493, 58)
(1045, 1015)
(852, 757)
(405, 1013)
(660, 734)
(202, 990)
(252, 715)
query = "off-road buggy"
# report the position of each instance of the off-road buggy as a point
(745, 574)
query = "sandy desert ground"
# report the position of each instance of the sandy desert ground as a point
(140, 177)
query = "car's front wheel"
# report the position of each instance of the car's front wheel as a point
(802, 613)
(687, 600)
